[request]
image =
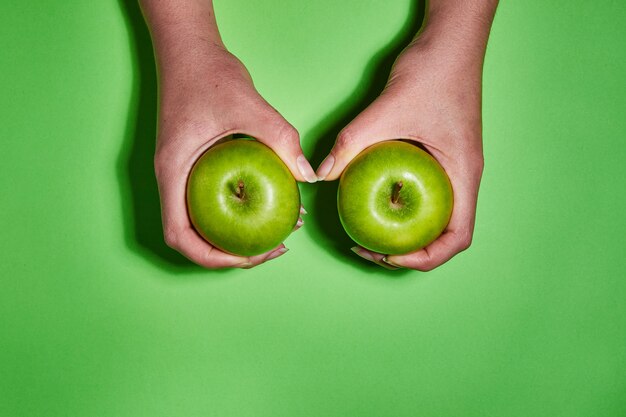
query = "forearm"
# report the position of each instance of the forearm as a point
(459, 28)
(183, 31)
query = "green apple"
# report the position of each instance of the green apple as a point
(394, 198)
(242, 198)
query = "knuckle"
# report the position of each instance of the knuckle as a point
(171, 238)
(208, 264)
(287, 134)
(428, 266)
(210, 260)
(465, 241)
(160, 164)
(345, 139)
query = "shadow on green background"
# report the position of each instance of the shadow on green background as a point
(328, 228)
(142, 210)
(141, 207)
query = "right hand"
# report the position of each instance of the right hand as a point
(201, 101)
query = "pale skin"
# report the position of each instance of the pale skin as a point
(433, 97)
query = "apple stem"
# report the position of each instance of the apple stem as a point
(240, 190)
(395, 195)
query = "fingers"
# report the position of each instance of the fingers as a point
(440, 251)
(458, 235)
(181, 236)
(377, 258)
(299, 224)
(300, 221)
(274, 131)
(427, 259)
(456, 238)
(192, 246)
(281, 250)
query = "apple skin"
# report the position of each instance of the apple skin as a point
(248, 221)
(423, 205)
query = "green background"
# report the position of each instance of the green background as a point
(99, 318)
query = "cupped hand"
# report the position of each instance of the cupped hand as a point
(433, 97)
(202, 101)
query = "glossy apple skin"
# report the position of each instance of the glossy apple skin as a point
(246, 226)
(364, 199)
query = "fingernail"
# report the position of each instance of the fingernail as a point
(305, 169)
(244, 265)
(303, 210)
(325, 167)
(276, 254)
(299, 223)
(362, 254)
(387, 261)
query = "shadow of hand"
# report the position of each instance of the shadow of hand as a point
(328, 230)
(135, 167)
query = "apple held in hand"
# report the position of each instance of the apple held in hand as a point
(394, 198)
(242, 198)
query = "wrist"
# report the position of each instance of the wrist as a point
(185, 48)
(184, 34)
(455, 32)
(189, 60)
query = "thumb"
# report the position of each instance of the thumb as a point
(365, 130)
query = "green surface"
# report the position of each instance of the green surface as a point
(99, 318)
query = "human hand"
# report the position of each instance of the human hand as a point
(433, 97)
(204, 99)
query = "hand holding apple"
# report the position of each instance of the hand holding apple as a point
(200, 105)
(433, 97)
(205, 94)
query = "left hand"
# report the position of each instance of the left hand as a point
(433, 97)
